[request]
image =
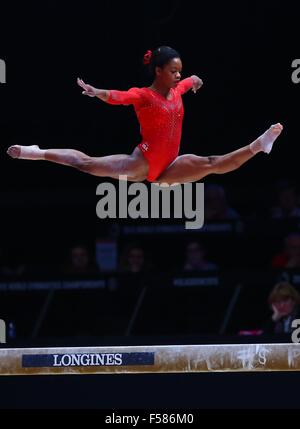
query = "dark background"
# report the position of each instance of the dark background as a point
(242, 51)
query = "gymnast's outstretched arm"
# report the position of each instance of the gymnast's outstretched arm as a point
(132, 96)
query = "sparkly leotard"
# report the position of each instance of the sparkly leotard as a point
(160, 123)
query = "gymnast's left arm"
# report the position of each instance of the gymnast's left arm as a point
(193, 82)
(197, 83)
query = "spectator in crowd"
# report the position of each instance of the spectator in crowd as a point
(195, 259)
(133, 259)
(290, 256)
(80, 262)
(287, 203)
(284, 301)
(216, 207)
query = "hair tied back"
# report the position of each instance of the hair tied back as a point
(147, 57)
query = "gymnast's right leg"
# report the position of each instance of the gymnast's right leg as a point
(134, 166)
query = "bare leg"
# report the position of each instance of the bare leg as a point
(191, 168)
(134, 166)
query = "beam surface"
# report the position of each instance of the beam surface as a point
(150, 359)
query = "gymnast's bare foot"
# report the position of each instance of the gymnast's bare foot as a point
(25, 152)
(264, 143)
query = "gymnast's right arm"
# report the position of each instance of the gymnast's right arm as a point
(131, 96)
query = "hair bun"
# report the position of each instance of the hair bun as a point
(147, 57)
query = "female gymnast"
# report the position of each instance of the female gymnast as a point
(160, 111)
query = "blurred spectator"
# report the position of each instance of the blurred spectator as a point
(290, 256)
(287, 203)
(216, 206)
(195, 258)
(80, 262)
(284, 300)
(133, 260)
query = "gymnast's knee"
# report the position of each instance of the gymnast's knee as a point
(84, 164)
(213, 163)
(200, 162)
(220, 164)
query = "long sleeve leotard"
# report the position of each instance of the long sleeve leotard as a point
(160, 122)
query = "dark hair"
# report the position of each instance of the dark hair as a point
(160, 57)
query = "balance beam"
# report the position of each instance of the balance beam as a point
(150, 359)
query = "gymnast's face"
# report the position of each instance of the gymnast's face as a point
(170, 74)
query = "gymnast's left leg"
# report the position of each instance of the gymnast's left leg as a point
(191, 168)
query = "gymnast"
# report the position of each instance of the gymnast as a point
(159, 109)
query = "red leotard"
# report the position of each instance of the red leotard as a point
(160, 122)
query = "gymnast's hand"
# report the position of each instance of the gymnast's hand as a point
(88, 89)
(197, 83)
